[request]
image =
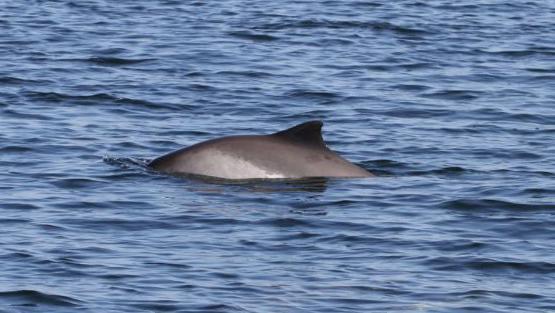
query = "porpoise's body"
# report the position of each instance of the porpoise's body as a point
(293, 153)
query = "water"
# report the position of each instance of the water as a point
(451, 105)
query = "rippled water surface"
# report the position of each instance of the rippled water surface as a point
(451, 105)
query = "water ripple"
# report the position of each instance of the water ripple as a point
(449, 104)
(26, 297)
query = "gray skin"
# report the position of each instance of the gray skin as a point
(296, 152)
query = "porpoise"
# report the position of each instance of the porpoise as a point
(296, 152)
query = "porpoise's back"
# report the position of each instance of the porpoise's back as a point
(293, 153)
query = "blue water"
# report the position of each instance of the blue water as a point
(451, 105)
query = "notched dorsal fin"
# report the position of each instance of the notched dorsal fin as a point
(308, 133)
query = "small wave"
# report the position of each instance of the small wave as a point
(13, 220)
(411, 87)
(252, 36)
(18, 206)
(417, 113)
(481, 293)
(401, 67)
(118, 224)
(220, 308)
(458, 95)
(250, 74)
(341, 24)
(98, 99)
(114, 61)
(8, 80)
(27, 116)
(504, 266)
(169, 265)
(284, 222)
(500, 115)
(161, 306)
(15, 149)
(202, 87)
(22, 297)
(384, 167)
(492, 204)
(310, 94)
(76, 183)
(522, 53)
(297, 236)
(353, 239)
(447, 171)
(327, 42)
(540, 70)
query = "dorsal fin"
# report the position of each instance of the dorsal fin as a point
(308, 133)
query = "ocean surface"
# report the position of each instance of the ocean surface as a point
(450, 104)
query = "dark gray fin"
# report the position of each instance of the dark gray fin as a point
(308, 133)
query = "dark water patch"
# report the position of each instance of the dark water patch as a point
(205, 221)
(540, 70)
(527, 172)
(77, 183)
(116, 277)
(248, 35)
(23, 206)
(249, 74)
(484, 294)
(328, 42)
(491, 265)
(26, 116)
(315, 184)
(176, 266)
(50, 227)
(14, 221)
(481, 205)
(202, 87)
(417, 113)
(385, 167)
(114, 224)
(33, 297)
(444, 171)
(455, 95)
(538, 192)
(19, 256)
(303, 235)
(411, 87)
(311, 94)
(506, 154)
(17, 42)
(113, 204)
(15, 149)
(115, 61)
(217, 307)
(546, 78)
(401, 67)
(353, 240)
(344, 24)
(8, 80)
(461, 246)
(157, 306)
(285, 222)
(499, 114)
(515, 54)
(100, 99)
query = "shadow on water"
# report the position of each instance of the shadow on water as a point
(312, 184)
